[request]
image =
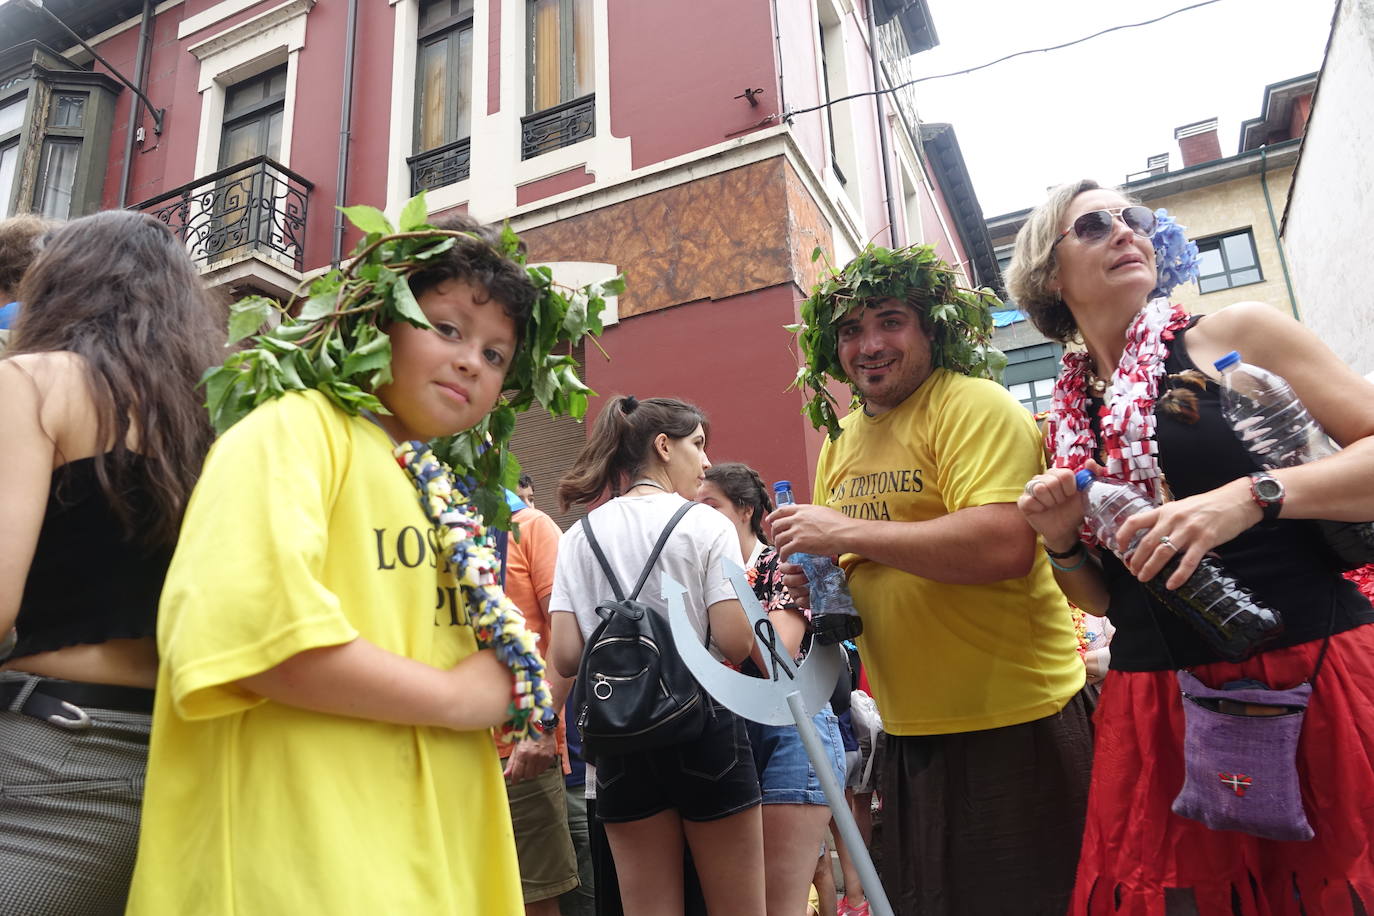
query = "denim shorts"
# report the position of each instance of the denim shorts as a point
(785, 771)
(705, 779)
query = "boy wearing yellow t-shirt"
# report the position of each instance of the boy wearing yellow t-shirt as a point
(321, 739)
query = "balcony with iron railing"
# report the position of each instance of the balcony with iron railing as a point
(257, 207)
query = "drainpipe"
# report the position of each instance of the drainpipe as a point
(882, 127)
(145, 31)
(345, 129)
(1273, 223)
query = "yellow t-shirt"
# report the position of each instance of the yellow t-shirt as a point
(303, 532)
(950, 658)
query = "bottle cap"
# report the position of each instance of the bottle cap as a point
(1230, 359)
(782, 485)
(1083, 478)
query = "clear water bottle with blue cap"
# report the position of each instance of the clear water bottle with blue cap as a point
(833, 617)
(1278, 431)
(1223, 611)
(1272, 423)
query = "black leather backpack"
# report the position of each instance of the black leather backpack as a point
(633, 691)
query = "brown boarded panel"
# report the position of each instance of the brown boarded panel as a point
(547, 447)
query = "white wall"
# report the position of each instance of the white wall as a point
(1330, 221)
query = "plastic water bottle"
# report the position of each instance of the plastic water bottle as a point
(1279, 432)
(1222, 610)
(1272, 423)
(833, 617)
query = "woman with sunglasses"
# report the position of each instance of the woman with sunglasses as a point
(1141, 401)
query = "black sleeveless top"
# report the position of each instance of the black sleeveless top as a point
(1286, 564)
(88, 582)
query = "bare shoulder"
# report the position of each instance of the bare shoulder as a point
(1261, 333)
(51, 371)
(53, 388)
(1243, 321)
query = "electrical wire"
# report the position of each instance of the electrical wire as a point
(939, 76)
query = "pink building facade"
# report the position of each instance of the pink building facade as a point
(686, 145)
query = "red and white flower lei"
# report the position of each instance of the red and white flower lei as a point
(1127, 419)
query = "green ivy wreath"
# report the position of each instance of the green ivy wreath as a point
(961, 320)
(334, 343)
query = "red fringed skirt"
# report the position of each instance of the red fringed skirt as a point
(1135, 850)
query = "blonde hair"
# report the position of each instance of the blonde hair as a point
(1033, 266)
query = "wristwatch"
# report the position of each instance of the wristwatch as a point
(1267, 492)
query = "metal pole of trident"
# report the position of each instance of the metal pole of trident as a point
(790, 694)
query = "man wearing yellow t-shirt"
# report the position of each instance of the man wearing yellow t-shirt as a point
(967, 641)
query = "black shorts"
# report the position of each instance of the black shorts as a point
(702, 780)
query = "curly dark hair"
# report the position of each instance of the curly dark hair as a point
(481, 263)
(118, 289)
(19, 237)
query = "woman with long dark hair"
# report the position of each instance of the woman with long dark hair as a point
(104, 434)
(795, 812)
(650, 457)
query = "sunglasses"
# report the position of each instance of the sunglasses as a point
(1096, 225)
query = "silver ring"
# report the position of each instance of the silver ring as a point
(1164, 539)
(1030, 486)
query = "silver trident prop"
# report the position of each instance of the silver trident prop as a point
(789, 694)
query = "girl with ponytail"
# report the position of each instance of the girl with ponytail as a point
(795, 813)
(649, 456)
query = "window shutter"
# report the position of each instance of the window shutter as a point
(547, 447)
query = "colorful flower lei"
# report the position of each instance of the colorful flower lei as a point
(496, 622)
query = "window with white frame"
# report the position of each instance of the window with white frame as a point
(443, 94)
(834, 74)
(561, 76)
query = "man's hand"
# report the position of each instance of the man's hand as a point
(817, 530)
(795, 579)
(531, 758)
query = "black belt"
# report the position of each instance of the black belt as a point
(61, 702)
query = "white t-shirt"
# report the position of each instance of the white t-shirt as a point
(627, 528)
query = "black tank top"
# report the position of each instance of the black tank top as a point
(1285, 564)
(88, 582)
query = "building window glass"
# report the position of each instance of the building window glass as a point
(444, 72)
(253, 112)
(829, 115)
(9, 159)
(1034, 395)
(12, 114)
(560, 49)
(1030, 374)
(68, 111)
(1227, 261)
(57, 177)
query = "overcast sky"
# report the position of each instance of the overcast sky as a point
(1098, 109)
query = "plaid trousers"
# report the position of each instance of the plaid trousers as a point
(69, 810)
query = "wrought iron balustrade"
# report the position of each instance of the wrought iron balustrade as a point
(254, 205)
(440, 166)
(559, 126)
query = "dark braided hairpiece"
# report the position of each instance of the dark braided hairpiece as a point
(745, 489)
